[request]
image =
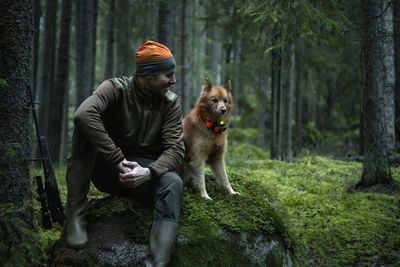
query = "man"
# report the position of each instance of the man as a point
(128, 139)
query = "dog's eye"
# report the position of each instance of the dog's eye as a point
(214, 100)
(225, 100)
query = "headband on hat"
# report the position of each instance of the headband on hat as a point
(154, 58)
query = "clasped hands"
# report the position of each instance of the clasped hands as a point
(131, 174)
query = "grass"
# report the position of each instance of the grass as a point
(330, 226)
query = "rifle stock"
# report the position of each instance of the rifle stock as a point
(51, 188)
(46, 220)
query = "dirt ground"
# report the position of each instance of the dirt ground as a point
(113, 241)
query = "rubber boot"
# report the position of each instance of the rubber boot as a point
(162, 242)
(78, 182)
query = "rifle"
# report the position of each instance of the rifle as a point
(51, 193)
(46, 220)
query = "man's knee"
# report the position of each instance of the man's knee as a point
(172, 179)
(172, 182)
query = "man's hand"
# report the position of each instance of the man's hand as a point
(123, 166)
(137, 176)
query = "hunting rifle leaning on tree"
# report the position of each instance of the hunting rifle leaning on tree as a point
(49, 197)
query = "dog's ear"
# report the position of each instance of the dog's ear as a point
(227, 86)
(207, 85)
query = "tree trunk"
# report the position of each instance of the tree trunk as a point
(65, 128)
(166, 23)
(326, 120)
(94, 29)
(279, 114)
(198, 50)
(287, 153)
(48, 66)
(396, 29)
(261, 120)
(61, 85)
(16, 27)
(109, 60)
(236, 79)
(149, 31)
(185, 55)
(37, 13)
(299, 94)
(376, 146)
(212, 46)
(124, 49)
(216, 56)
(84, 49)
(274, 105)
(389, 66)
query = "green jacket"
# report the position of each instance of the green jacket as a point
(122, 119)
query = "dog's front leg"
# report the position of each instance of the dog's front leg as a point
(197, 177)
(218, 167)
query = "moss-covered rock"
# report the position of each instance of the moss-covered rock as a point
(245, 230)
(22, 244)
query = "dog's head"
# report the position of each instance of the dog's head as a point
(216, 101)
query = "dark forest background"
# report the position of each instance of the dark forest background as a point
(295, 66)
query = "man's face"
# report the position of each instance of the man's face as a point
(159, 84)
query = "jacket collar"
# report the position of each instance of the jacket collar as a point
(138, 91)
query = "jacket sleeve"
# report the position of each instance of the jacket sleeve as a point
(88, 121)
(172, 140)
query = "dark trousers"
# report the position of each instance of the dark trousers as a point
(165, 193)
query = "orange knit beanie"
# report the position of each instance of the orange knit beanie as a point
(154, 58)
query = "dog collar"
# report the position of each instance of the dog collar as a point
(215, 127)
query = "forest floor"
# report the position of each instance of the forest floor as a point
(330, 223)
(333, 224)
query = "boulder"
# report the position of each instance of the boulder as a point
(245, 230)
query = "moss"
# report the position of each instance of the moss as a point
(21, 245)
(8, 149)
(255, 211)
(3, 83)
(246, 152)
(332, 226)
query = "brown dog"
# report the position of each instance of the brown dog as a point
(205, 135)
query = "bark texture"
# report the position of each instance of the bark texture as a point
(16, 27)
(374, 99)
(84, 49)
(166, 23)
(287, 152)
(123, 31)
(389, 66)
(299, 108)
(109, 59)
(60, 89)
(48, 66)
(274, 105)
(396, 30)
(185, 56)
(37, 13)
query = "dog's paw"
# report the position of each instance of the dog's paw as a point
(206, 196)
(234, 193)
